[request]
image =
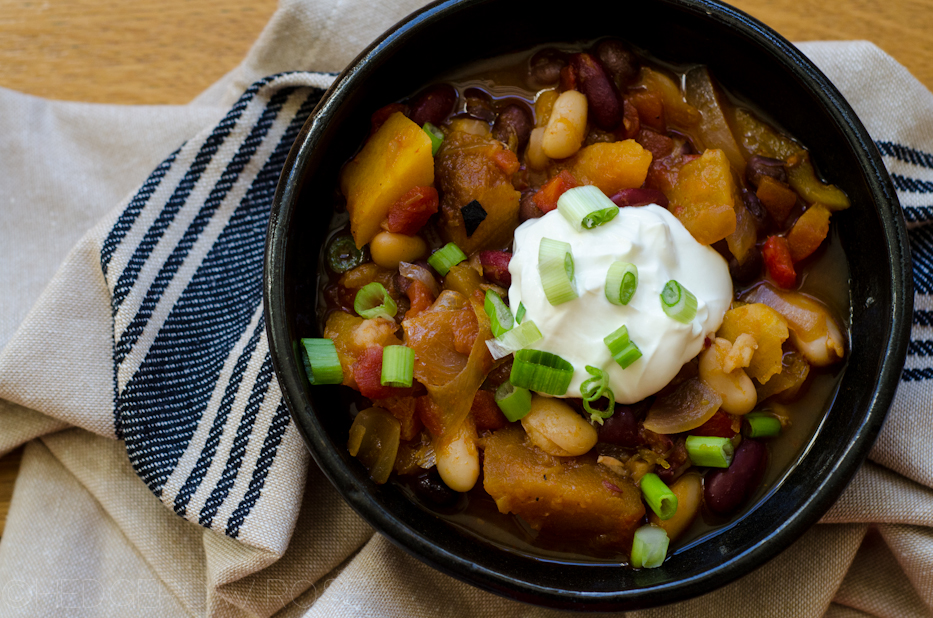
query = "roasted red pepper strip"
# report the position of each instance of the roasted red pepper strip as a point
(778, 261)
(420, 296)
(547, 196)
(409, 214)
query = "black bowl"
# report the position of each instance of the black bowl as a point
(751, 60)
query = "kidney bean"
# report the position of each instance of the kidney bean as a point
(657, 144)
(750, 270)
(592, 80)
(430, 488)
(496, 267)
(726, 489)
(528, 208)
(621, 428)
(514, 120)
(479, 105)
(678, 462)
(433, 104)
(756, 209)
(544, 67)
(639, 197)
(619, 60)
(759, 166)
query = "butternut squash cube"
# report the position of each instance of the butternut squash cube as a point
(393, 161)
(612, 167)
(703, 197)
(768, 327)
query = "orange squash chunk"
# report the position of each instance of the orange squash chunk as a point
(352, 335)
(393, 161)
(612, 167)
(570, 496)
(808, 232)
(777, 197)
(768, 327)
(703, 197)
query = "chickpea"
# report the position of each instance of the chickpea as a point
(389, 249)
(566, 127)
(736, 388)
(458, 457)
(689, 492)
(534, 155)
(557, 429)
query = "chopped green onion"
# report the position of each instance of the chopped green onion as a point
(649, 547)
(623, 349)
(322, 365)
(541, 371)
(710, 451)
(678, 302)
(514, 401)
(621, 282)
(372, 301)
(594, 389)
(658, 496)
(444, 258)
(516, 339)
(520, 314)
(555, 265)
(342, 254)
(436, 135)
(500, 318)
(760, 425)
(586, 207)
(398, 366)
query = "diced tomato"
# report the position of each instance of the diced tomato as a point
(420, 296)
(719, 424)
(506, 160)
(382, 114)
(568, 79)
(650, 109)
(778, 261)
(367, 371)
(809, 232)
(412, 211)
(486, 412)
(496, 267)
(547, 196)
(430, 414)
(658, 145)
(465, 329)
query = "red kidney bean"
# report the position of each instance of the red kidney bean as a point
(496, 267)
(513, 120)
(429, 487)
(759, 166)
(479, 105)
(601, 95)
(544, 67)
(619, 60)
(726, 489)
(639, 197)
(658, 144)
(621, 428)
(528, 208)
(433, 104)
(678, 462)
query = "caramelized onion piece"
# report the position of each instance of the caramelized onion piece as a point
(420, 273)
(687, 407)
(374, 440)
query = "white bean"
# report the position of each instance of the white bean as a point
(736, 388)
(566, 127)
(557, 429)
(534, 155)
(826, 349)
(458, 457)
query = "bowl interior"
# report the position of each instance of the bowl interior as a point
(753, 62)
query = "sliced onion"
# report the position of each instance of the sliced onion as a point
(420, 273)
(687, 407)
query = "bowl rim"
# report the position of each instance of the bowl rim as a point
(402, 534)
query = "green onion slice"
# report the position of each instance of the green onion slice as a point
(649, 547)
(500, 318)
(516, 339)
(586, 207)
(436, 135)
(760, 425)
(678, 302)
(541, 371)
(623, 349)
(658, 496)
(322, 365)
(372, 301)
(398, 366)
(621, 282)
(514, 401)
(555, 264)
(594, 389)
(444, 258)
(520, 314)
(710, 451)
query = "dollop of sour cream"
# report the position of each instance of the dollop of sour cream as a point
(662, 249)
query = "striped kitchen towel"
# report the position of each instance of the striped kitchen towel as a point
(195, 398)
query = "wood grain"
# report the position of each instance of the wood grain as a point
(168, 51)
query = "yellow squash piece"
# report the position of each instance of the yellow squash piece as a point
(394, 160)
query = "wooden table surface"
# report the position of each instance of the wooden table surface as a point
(168, 51)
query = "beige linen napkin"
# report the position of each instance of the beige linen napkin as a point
(87, 537)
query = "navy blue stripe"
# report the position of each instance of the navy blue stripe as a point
(228, 178)
(905, 154)
(206, 457)
(911, 185)
(917, 375)
(921, 247)
(240, 442)
(155, 232)
(131, 212)
(266, 456)
(920, 348)
(918, 214)
(164, 401)
(923, 318)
